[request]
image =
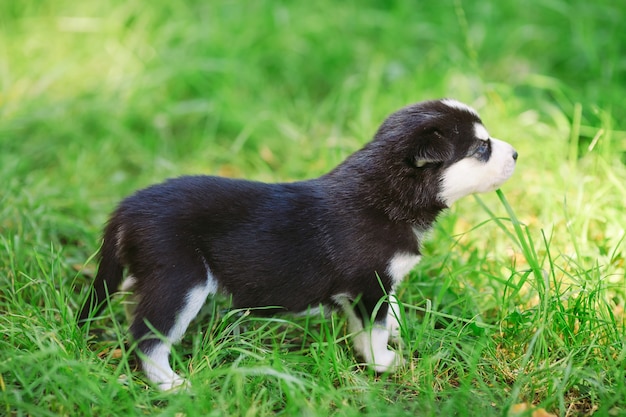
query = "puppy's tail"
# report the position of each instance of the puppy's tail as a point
(109, 276)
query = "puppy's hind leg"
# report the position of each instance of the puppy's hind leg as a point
(168, 314)
(130, 300)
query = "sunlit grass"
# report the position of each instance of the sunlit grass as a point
(520, 295)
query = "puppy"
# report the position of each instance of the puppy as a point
(345, 239)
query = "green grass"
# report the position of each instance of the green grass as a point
(520, 296)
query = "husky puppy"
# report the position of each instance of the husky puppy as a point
(345, 239)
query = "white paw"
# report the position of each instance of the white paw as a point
(158, 370)
(176, 384)
(372, 346)
(387, 361)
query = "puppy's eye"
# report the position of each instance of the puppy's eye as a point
(483, 150)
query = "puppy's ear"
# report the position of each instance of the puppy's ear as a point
(432, 148)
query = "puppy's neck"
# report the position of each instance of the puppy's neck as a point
(355, 187)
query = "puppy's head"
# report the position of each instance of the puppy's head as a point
(441, 151)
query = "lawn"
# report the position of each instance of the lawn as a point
(519, 301)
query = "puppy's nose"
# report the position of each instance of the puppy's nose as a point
(515, 155)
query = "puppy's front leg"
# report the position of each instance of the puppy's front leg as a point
(393, 317)
(371, 342)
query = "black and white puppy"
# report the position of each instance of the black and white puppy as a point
(345, 239)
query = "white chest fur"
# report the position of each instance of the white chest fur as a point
(401, 264)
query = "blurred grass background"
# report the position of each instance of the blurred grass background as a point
(98, 99)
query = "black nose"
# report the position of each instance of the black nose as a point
(515, 155)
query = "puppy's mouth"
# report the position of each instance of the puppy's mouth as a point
(505, 159)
